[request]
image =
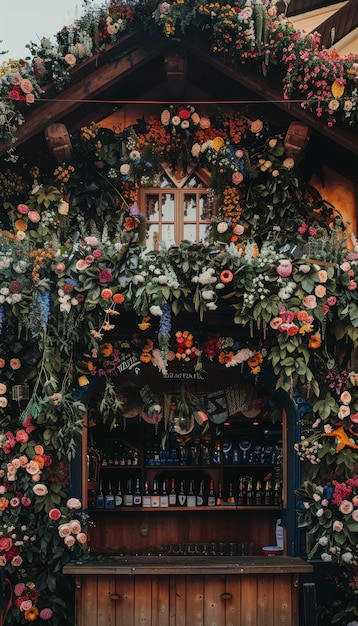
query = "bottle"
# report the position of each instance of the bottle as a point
(259, 493)
(268, 493)
(137, 496)
(277, 493)
(182, 494)
(146, 500)
(154, 498)
(231, 498)
(211, 496)
(128, 496)
(172, 494)
(191, 498)
(241, 493)
(164, 497)
(200, 495)
(100, 497)
(109, 497)
(249, 493)
(118, 498)
(219, 499)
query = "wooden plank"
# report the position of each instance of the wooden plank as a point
(233, 604)
(214, 606)
(89, 600)
(249, 595)
(195, 601)
(282, 601)
(143, 601)
(160, 601)
(124, 606)
(106, 607)
(265, 612)
(178, 617)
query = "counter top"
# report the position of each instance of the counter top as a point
(205, 565)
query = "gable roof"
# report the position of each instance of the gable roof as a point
(135, 69)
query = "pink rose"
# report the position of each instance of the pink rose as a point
(343, 412)
(30, 98)
(54, 514)
(5, 544)
(310, 302)
(22, 436)
(25, 501)
(355, 515)
(60, 267)
(81, 538)
(352, 286)
(46, 613)
(70, 59)
(332, 300)
(81, 265)
(34, 216)
(64, 530)
(73, 504)
(16, 561)
(355, 500)
(205, 123)
(256, 126)
(32, 468)
(195, 150)
(23, 460)
(25, 605)
(320, 291)
(322, 275)
(69, 541)
(2, 561)
(345, 267)
(26, 85)
(75, 526)
(40, 490)
(165, 116)
(346, 507)
(19, 588)
(337, 526)
(23, 209)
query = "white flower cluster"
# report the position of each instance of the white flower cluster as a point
(8, 297)
(308, 450)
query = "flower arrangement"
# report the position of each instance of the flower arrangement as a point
(329, 514)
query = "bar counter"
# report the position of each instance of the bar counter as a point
(187, 590)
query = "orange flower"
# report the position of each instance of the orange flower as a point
(21, 225)
(90, 366)
(226, 277)
(315, 341)
(143, 325)
(39, 460)
(255, 360)
(145, 357)
(31, 614)
(106, 294)
(107, 349)
(2, 363)
(225, 357)
(38, 449)
(118, 298)
(130, 223)
(302, 316)
(4, 503)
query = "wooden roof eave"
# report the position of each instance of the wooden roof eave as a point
(268, 91)
(90, 86)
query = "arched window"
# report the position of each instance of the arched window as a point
(179, 209)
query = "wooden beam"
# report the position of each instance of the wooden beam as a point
(88, 87)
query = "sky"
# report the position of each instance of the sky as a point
(22, 21)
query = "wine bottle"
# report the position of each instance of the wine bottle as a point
(231, 497)
(154, 498)
(241, 493)
(260, 499)
(182, 495)
(200, 495)
(100, 497)
(191, 498)
(277, 493)
(249, 493)
(219, 499)
(128, 496)
(268, 493)
(109, 497)
(137, 496)
(172, 494)
(164, 497)
(118, 498)
(146, 496)
(211, 496)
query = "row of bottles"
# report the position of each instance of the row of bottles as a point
(247, 493)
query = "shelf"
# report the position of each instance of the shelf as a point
(133, 509)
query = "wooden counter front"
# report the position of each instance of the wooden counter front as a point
(187, 591)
